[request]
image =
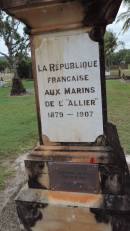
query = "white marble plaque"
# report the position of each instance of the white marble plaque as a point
(69, 87)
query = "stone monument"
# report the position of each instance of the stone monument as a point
(78, 178)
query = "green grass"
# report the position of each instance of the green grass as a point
(119, 110)
(18, 128)
(18, 124)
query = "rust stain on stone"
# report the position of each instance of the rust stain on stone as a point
(37, 41)
(74, 197)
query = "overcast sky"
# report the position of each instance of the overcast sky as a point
(115, 27)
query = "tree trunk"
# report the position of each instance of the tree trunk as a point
(17, 86)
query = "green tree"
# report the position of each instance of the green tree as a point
(3, 64)
(17, 46)
(111, 42)
(125, 16)
(121, 56)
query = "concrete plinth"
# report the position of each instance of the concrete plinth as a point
(40, 210)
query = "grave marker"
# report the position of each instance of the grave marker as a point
(78, 178)
(69, 86)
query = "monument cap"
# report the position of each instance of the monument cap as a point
(83, 12)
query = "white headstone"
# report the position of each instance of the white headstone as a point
(69, 86)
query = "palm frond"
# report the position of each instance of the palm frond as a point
(125, 16)
(126, 2)
(126, 25)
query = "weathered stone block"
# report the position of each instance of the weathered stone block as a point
(40, 210)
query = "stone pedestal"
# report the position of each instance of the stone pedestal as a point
(85, 188)
(40, 210)
(78, 178)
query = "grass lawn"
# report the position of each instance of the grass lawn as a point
(18, 125)
(118, 97)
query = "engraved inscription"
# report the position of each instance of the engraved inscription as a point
(68, 72)
(74, 177)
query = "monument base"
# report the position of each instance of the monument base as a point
(76, 187)
(93, 169)
(40, 210)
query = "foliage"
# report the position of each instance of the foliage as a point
(125, 16)
(3, 65)
(111, 42)
(126, 1)
(17, 45)
(121, 57)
